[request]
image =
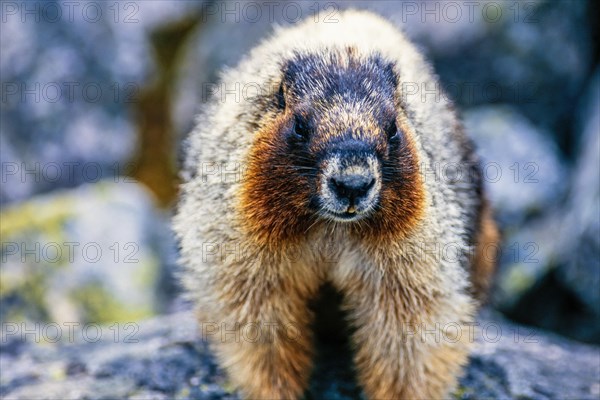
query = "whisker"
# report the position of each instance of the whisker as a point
(313, 224)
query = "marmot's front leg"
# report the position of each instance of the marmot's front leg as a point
(399, 354)
(262, 334)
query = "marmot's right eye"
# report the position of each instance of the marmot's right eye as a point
(301, 128)
(392, 131)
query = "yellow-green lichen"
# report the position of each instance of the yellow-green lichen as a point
(98, 305)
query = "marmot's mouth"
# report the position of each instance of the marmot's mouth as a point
(345, 216)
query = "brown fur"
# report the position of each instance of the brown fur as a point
(485, 257)
(270, 220)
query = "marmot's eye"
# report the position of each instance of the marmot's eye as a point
(392, 131)
(301, 128)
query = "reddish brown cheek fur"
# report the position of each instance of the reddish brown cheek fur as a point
(274, 197)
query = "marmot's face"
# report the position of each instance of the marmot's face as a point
(342, 128)
(342, 148)
(335, 149)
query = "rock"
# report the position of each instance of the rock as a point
(525, 181)
(165, 359)
(506, 52)
(73, 110)
(92, 254)
(527, 256)
(581, 227)
(550, 261)
(517, 362)
(522, 166)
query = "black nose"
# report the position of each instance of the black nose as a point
(351, 187)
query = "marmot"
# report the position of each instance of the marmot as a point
(312, 165)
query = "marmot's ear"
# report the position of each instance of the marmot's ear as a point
(288, 76)
(390, 74)
(280, 96)
(387, 75)
(293, 74)
(390, 81)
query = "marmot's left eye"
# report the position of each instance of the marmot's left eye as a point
(301, 128)
(392, 131)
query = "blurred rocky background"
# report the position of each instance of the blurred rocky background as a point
(96, 98)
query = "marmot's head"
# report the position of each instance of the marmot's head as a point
(335, 148)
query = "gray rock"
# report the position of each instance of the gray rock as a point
(165, 359)
(550, 260)
(521, 164)
(527, 256)
(506, 52)
(91, 254)
(71, 74)
(581, 227)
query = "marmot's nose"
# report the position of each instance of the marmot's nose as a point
(351, 187)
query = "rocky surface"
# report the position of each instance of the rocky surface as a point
(521, 165)
(581, 272)
(507, 52)
(97, 253)
(72, 113)
(549, 213)
(163, 359)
